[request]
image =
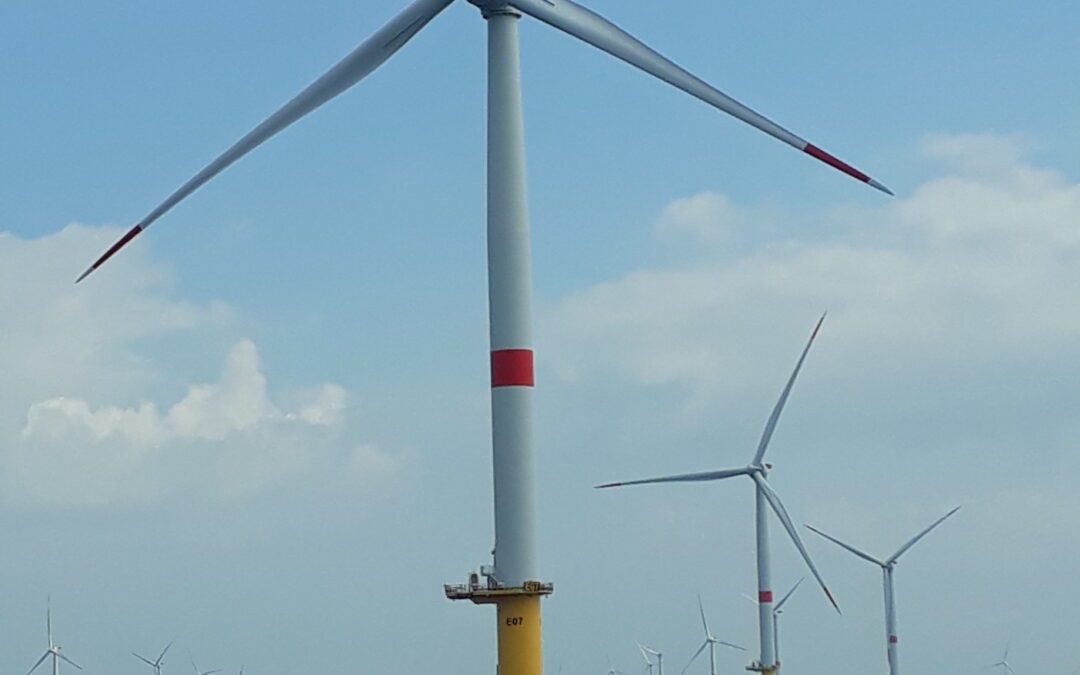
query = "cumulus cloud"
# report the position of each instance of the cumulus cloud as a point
(70, 353)
(983, 257)
(228, 434)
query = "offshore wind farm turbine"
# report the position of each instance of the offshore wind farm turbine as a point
(710, 642)
(758, 471)
(888, 567)
(646, 653)
(53, 650)
(1006, 669)
(512, 579)
(158, 662)
(778, 609)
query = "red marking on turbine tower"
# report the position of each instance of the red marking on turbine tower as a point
(512, 368)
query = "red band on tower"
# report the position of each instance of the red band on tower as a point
(764, 597)
(893, 640)
(512, 368)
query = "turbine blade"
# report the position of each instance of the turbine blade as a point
(144, 660)
(770, 426)
(349, 71)
(694, 657)
(68, 661)
(755, 602)
(681, 478)
(916, 538)
(704, 621)
(589, 27)
(728, 644)
(789, 594)
(847, 547)
(644, 655)
(39, 662)
(785, 519)
(163, 652)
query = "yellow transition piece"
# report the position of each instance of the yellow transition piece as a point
(520, 649)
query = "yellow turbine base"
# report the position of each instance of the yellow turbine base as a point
(520, 649)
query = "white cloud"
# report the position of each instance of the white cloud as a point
(227, 435)
(70, 352)
(706, 216)
(984, 257)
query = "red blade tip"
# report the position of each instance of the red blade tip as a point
(121, 243)
(819, 154)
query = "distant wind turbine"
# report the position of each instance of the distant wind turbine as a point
(710, 642)
(887, 568)
(776, 612)
(203, 672)
(1006, 669)
(54, 649)
(645, 657)
(766, 498)
(646, 652)
(157, 663)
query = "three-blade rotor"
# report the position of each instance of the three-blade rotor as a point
(757, 470)
(564, 15)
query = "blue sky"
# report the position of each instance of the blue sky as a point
(263, 430)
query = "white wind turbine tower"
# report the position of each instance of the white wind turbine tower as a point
(54, 649)
(758, 471)
(710, 642)
(888, 567)
(157, 663)
(512, 579)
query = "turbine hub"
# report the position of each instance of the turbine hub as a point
(490, 8)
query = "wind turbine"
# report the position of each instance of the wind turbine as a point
(710, 642)
(645, 656)
(1006, 669)
(758, 471)
(888, 566)
(156, 664)
(513, 575)
(203, 672)
(778, 609)
(54, 649)
(611, 670)
(646, 653)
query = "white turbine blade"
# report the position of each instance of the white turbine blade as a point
(770, 426)
(788, 595)
(694, 657)
(349, 71)
(704, 621)
(40, 661)
(847, 547)
(597, 31)
(163, 652)
(69, 661)
(733, 646)
(785, 519)
(755, 602)
(144, 660)
(916, 538)
(681, 478)
(48, 618)
(644, 655)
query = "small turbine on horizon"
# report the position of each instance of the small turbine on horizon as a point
(54, 649)
(758, 471)
(157, 663)
(776, 612)
(888, 566)
(710, 641)
(203, 672)
(1006, 669)
(646, 653)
